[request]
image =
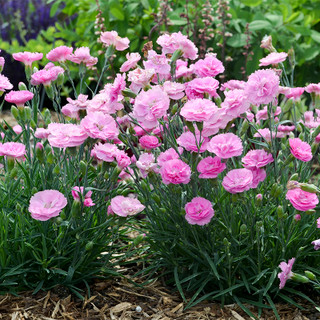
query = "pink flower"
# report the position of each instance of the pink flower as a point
(262, 87)
(70, 111)
(167, 155)
(191, 142)
(123, 160)
(66, 135)
(151, 105)
(42, 133)
(105, 152)
(199, 211)
(46, 204)
(286, 129)
(27, 57)
(210, 167)
(177, 41)
(218, 120)
(132, 60)
(293, 93)
(196, 88)
(45, 76)
(174, 90)
(302, 200)
(77, 192)
(14, 150)
(258, 176)
(82, 55)
(297, 217)
(140, 78)
(208, 67)
(17, 129)
(158, 62)
(146, 163)
(273, 58)
(266, 43)
(238, 180)
(182, 69)
(111, 38)
(226, 145)
(198, 110)
(235, 103)
(266, 134)
(313, 88)
(60, 54)
(2, 62)
(286, 273)
(149, 142)
(257, 159)
(318, 223)
(125, 206)
(300, 149)
(100, 126)
(316, 244)
(19, 97)
(233, 84)
(175, 171)
(5, 84)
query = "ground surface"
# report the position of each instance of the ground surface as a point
(120, 300)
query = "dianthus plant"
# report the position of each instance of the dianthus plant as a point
(223, 172)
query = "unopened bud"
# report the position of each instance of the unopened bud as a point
(22, 86)
(310, 275)
(309, 188)
(299, 278)
(243, 228)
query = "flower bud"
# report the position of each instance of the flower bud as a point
(299, 278)
(15, 112)
(50, 158)
(49, 92)
(83, 167)
(22, 86)
(89, 245)
(76, 209)
(174, 109)
(156, 198)
(309, 187)
(56, 169)
(292, 184)
(226, 242)
(128, 93)
(280, 212)
(244, 128)
(60, 79)
(297, 217)
(310, 275)
(243, 228)
(13, 173)
(34, 190)
(311, 211)
(27, 113)
(190, 126)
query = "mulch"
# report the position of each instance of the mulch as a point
(119, 299)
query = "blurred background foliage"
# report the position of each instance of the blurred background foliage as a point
(233, 29)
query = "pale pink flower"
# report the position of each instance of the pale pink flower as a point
(81, 102)
(210, 66)
(101, 103)
(196, 88)
(210, 167)
(14, 150)
(126, 174)
(257, 159)
(266, 43)
(77, 192)
(123, 160)
(46, 204)
(132, 60)
(318, 222)
(263, 114)
(158, 62)
(66, 135)
(2, 62)
(313, 88)
(238, 180)
(19, 97)
(316, 244)
(286, 273)
(151, 105)
(45, 76)
(300, 149)
(59, 54)
(149, 142)
(167, 155)
(17, 129)
(175, 171)
(126, 206)
(98, 125)
(273, 58)
(292, 93)
(104, 152)
(177, 41)
(198, 110)
(199, 211)
(286, 129)
(258, 176)
(42, 133)
(115, 90)
(5, 84)
(27, 57)
(190, 142)
(266, 134)
(82, 55)
(262, 86)
(235, 103)
(140, 78)
(218, 120)
(226, 145)
(233, 84)
(111, 38)
(302, 200)
(182, 69)
(71, 111)
(146, 163)
(174, 90)
(259, 196)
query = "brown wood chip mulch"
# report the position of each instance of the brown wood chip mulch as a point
(121, 300)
